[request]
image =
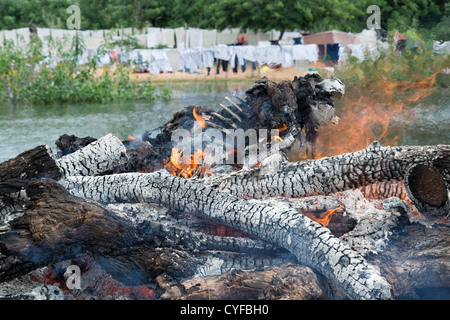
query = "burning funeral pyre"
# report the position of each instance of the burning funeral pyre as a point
(209, 207)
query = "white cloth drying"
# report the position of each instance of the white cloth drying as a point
(208, 57)
(308, 52)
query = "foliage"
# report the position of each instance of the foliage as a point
(415, 62)
(311, 15)
(308, 15)
(26, 76)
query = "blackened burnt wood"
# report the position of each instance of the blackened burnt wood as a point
(97, 157)
(298, 108)
(428, 191)
(34, 163)
(50, 225)
(416, 262)
(56, 226)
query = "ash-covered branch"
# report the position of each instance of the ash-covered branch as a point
(311, 243)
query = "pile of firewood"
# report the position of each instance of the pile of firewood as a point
(278, 230)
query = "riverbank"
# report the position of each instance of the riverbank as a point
(277, 75)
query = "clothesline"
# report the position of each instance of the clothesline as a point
(169, 60)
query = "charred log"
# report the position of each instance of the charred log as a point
(69, 144)
(280, 282)
(311, 243)
(347, 171)
(96, 158)
(216, 198)
(428, 191)
(34, 163)
(415, 261)
(298, 108)
(53, 225)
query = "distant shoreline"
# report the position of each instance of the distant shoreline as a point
(202, 75)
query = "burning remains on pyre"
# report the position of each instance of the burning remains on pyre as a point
(251, 199)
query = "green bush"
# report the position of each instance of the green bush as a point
(414, 63)
(26, 77)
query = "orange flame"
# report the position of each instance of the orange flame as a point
(324, 218)
(179, 168)
(366, 117)
(198, 118)
(277, 138)
(282, 128)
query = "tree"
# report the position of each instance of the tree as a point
(309, 15)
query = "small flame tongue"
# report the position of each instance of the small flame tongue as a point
(198, 118)
(324, 218)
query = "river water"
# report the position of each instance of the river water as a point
(24, 127)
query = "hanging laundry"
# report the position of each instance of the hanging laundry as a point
(248, 53)
(287, 56)
(126, 32)
(261, 54)
(183, 59)
(332, 52)
(180, 37)
(233, 58)
(154, 39)
(190, 59)
(43, 34)
(195, 37)
(373, 51)
(208, 57)
(343, 53)
(92, 42)
(228, 36)
(223, 52)
(23, 36)
(11, 36)
(209, 38)
(98, 33)
(308, 52)
(268, 55)
(239, 52)
(141, 40)
(358, 50)
(169, 37)
(173, 58)
(196, 57)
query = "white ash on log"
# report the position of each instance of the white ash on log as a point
(97, 157)
(395, 162)
(54, 226)
(329, 175)
(311, 243)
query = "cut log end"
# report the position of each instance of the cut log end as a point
(427, 189)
